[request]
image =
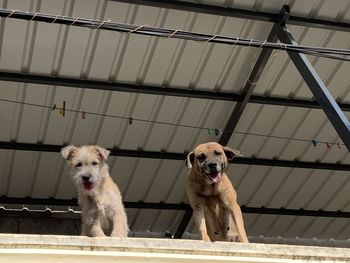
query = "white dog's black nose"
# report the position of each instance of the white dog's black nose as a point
(85, 178)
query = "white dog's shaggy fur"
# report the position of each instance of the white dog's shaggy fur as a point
(100, 200)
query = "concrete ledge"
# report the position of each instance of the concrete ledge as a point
(45, 248)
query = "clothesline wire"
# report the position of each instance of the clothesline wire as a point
(333, 53)
(132, 119)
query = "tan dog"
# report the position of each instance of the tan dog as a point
(98, 196)
(211, 194)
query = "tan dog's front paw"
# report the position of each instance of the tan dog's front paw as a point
(206, 238)
(244, 240)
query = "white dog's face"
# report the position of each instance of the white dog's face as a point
(87, 164)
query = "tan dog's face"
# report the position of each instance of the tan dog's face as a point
(210, 160)
(87, 164)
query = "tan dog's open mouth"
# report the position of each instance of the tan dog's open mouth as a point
(215, 177)
(88, 185)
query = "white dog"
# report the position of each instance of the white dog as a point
(98, 196)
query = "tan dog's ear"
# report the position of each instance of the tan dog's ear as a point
(68, 152)
(231, 153)
(103, 153)
(189, 160)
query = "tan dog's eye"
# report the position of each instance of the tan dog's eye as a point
(94, 163)
(217, 153)
(78, 165)
(201, 157)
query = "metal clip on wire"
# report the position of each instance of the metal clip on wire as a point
(34, 16)
(12, 12)
(210, 39)
(75, 21)
(136, 29)
(173, 34)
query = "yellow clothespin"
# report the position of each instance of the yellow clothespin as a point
(63, 109)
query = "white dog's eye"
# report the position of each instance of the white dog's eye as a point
(94, 163)
(78, 165)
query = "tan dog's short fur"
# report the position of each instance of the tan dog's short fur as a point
(211, 194)
(103, 212)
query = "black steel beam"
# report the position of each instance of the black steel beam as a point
(205, 9)
(176, 207)
(319, 23)
(183, 224)
(253, 78)
(156, 90)
(114, 152)
(37, 201)
(289, 102)
(73, 202)
(181, 156)
(42, 214)
(291, 164)
(319, 90)
(294, 212)
(160, 205)
(240, 13)
(112, 86)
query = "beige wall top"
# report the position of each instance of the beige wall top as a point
(40, 248)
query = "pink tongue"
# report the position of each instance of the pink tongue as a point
(88, 185)
(214, 177)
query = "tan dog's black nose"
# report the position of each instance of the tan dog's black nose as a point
(212, 165)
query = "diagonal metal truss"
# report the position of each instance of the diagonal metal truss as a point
(253, 78)
(321, 93)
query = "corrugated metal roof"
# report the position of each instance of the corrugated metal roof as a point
(48, 49)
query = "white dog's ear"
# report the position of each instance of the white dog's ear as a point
(102, 152)
(68, 152)
(189, 160)
(231, 153)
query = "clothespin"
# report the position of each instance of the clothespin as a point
(63, 109)
(218, 132)
(130, 121)
(338, 144)
(314, 142)
(210, 131)
(83, 115)
(328, 145)
(54, 107)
